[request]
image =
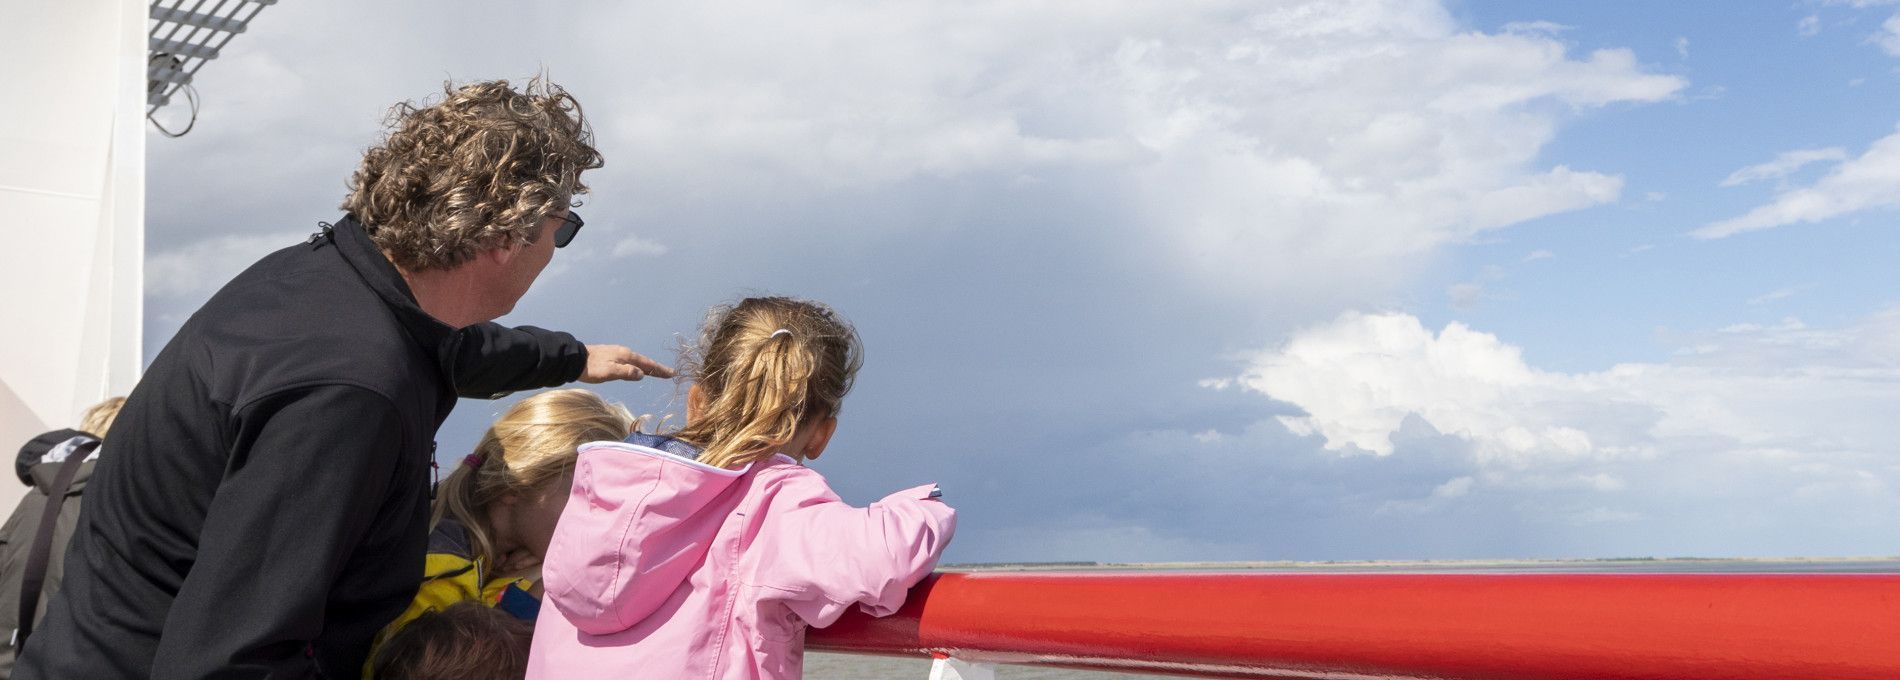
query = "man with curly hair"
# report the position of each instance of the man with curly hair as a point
(264, 509)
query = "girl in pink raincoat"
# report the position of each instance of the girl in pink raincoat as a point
(707, 553)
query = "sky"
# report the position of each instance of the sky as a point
(1178, 281)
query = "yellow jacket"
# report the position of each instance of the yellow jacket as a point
(450, 574)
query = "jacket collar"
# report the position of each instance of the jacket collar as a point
(381, 276)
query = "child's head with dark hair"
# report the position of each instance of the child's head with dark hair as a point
(466, 641)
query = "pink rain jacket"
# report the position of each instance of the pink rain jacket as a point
(664, 567)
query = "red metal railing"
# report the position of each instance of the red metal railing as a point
(1438, 626)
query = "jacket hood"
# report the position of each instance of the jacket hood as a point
(640, 518)
(37, 448)
(45, 469)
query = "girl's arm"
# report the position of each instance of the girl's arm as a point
(826, 555)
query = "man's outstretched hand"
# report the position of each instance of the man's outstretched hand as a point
(615, 362)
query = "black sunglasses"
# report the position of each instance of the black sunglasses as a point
(569, 227)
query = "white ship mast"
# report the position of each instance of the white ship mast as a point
(84, 74)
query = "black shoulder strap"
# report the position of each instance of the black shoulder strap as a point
(34, 580)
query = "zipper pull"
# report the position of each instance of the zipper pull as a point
(435, 473)
(325, 234)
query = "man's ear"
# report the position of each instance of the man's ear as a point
(820, 436)
(695, 402)
(502, 256)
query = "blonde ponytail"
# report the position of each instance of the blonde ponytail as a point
(764, 367)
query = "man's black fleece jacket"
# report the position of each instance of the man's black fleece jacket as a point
(261, 508)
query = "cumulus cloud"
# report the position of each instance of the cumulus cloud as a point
(1358, 379)
(1766, 439)
(1783, 165)
(1316, 151)
(1748, 388)
(1262, 492)
(1454, 488)
(1251, 144)
(1809, 26)
(1778, 294)
(1889, 36)
(1868, 182)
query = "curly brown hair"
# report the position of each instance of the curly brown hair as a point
(476, 171)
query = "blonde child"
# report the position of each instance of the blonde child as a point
(707, 553)
(494, 515)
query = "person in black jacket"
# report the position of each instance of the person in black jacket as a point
(263, 508)
(29, 571)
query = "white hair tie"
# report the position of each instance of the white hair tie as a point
(779, 332)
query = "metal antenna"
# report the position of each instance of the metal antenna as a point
(183, 38)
